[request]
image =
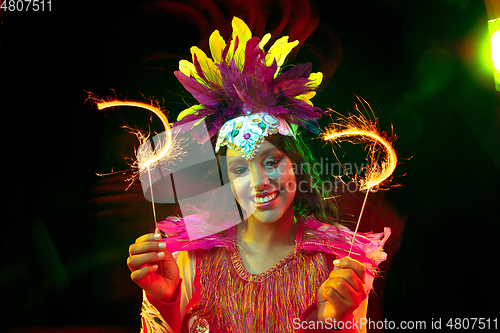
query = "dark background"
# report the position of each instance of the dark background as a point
(66, 231)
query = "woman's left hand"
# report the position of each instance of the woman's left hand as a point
(343, 292)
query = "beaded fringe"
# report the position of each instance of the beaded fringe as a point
(266, 302)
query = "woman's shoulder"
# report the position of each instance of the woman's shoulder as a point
(337, 239)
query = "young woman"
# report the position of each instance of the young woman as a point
(284, 268)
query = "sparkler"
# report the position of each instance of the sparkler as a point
(147, 158)
(359, 129)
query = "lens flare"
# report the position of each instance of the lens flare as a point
(494, 34)
(495, 50)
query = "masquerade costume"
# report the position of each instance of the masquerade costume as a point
(244, 97)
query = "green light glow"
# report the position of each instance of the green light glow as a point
(494, 29)
(495, 50)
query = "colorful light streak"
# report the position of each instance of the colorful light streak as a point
(358, 129)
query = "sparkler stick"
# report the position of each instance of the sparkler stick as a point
(152, 200)
(357, 224)
(359, 129)
(157, 231)
(149, 160)
(146, 161)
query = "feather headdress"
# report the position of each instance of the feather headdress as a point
(243, 78)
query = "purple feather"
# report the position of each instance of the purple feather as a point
(297, 71)
(201, 93)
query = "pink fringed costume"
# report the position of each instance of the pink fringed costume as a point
(221, 296)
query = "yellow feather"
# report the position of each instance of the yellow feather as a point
(282, 50)
(264, 41)
(194, 109)
(315, 79)
(217, 45)
(279, 51)
(307, 101)
(306, 97)
(207, 65)
(187, 68)
(240, 30)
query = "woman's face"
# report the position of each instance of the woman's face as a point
(264, 187)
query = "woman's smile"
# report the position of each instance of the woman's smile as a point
(266, 200)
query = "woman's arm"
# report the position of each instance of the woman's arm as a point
(158, 316)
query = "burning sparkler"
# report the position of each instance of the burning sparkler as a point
(147, 158)
(359, 129)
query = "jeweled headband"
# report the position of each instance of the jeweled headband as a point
(245, 134)
(242, 92)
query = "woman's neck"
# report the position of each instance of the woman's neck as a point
(262, 238)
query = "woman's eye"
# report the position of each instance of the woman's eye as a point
(239, 170)
(273, 162)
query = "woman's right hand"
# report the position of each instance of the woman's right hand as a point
(153, 268)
